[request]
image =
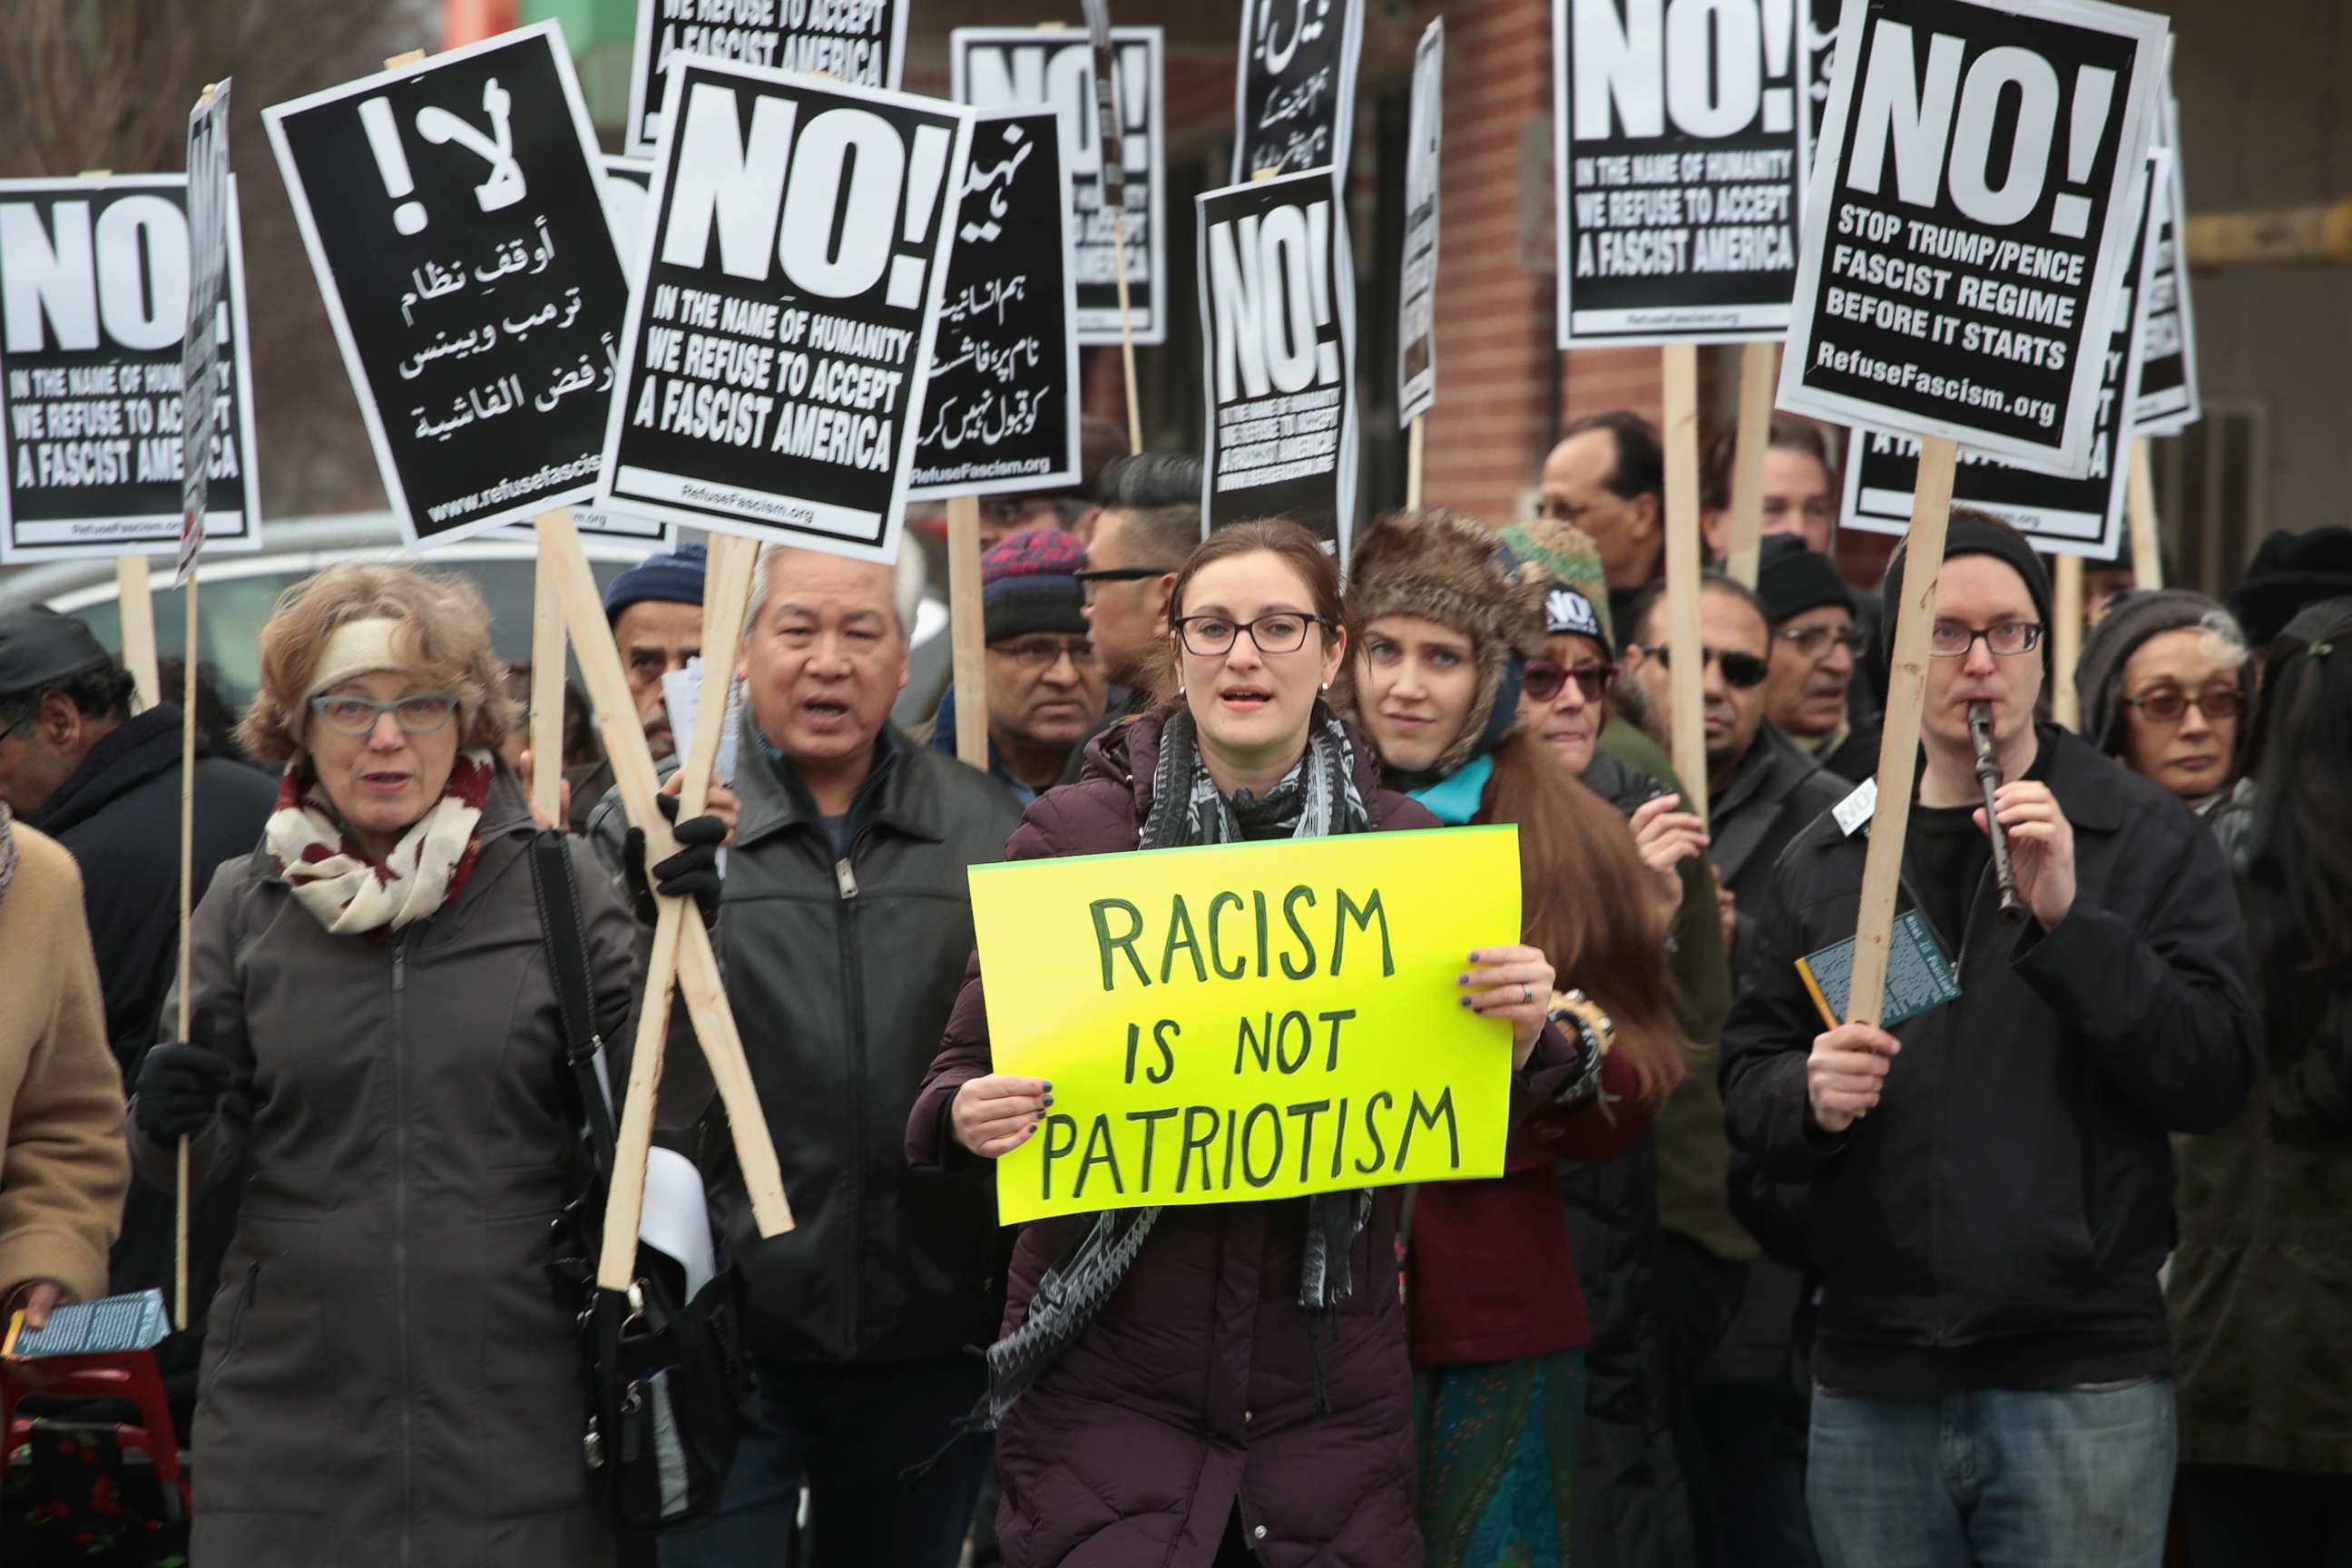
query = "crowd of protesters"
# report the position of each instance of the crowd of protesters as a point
(2049, 1273)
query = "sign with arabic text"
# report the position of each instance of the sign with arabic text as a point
(1249, 1021)
(1017, 68)
(774, 363)
(95, 278)
(1001, 408)
(453, 215)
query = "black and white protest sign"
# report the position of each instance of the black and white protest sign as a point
(1678, 150)
(94, 289)
(1015, 68)
(200, 388)
(628, 200)
(2062, 514)
(1417, 276)
(1001, 406)
(774, 363)
(1295, 97)
(452, 214)
(1278, 330)
(862, 42)
(1969, 219)
(2168, 389)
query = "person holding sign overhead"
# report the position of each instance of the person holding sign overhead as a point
(377, 1051)
(1222, 1382)
(1453, 631)
(1991, 1184)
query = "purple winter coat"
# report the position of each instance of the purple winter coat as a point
(1192, 1392)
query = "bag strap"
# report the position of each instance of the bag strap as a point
(557, 897)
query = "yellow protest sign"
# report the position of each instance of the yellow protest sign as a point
(1249, 1021)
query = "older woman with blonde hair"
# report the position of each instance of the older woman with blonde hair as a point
(390, 1374)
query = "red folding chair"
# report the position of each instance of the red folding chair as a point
(129, 1378)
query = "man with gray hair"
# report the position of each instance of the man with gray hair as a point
(842, 924)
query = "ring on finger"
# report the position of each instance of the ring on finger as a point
(1526, 993)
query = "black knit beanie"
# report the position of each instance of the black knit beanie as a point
(1974, 533)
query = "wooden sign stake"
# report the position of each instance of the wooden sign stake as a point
(1760, 373)
(705, 1000)
(1125, 332)
(967, 632)
(2139, 508)
(187, 858)
(1898, 751)
(2066, 643)
(1686, 652)
(1414, 441)
(135, 594)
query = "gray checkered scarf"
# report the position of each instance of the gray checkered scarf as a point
(7, 850)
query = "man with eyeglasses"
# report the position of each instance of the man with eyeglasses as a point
(1815, 649)
(1149, 522)
(80, 763)
(1607, 479)
(1761, 789)
(1045, 677)
(1991, 1181)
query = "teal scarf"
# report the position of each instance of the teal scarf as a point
(1453, 799)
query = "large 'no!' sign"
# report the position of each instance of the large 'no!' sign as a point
(1969, 221)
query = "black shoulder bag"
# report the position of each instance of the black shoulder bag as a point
(670, 1388)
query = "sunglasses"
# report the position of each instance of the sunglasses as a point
(2170, 705)
(1545, 678)
(1743, 670)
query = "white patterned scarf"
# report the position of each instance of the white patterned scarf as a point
(347, 892)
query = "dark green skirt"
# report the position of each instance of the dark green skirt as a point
(1498, 1443)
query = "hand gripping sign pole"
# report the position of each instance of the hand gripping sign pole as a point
(682, 952)
(1760, 372)
(1898, 751)
(1686, 655)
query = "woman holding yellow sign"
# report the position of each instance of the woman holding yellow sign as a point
(1225, 1383)
(1451, 632)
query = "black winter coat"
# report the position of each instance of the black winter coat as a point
(842, 972)
(2015, 1177)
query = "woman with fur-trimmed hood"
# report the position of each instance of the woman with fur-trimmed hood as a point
(1453, 631)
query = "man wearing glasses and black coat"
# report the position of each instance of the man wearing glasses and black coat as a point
(1991, 1179)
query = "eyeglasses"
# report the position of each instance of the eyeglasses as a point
(2170, 705)
(1744, 671)
(1091, 579)
(418, 713)
(1545, 679)
(1815, 642)
(1211, 637)
(1950, 639)
(1045, 653)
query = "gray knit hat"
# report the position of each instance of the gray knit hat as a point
(2138, 615)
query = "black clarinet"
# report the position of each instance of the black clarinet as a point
(2013, 907)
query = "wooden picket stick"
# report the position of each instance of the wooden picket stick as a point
(188, 859)
(135, 594)
(2066, 643)
(714, 1023)
(1686, 655)
(547, 649)
(1414, 441)
(1898, 751)
(967, 632)
(2139, 508)
(1759, 370)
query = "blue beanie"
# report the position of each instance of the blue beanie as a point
(1028, 582)
(675, 578)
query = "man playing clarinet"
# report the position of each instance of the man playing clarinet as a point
(1991, 1184)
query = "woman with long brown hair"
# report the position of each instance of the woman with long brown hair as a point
(1228, 1383)
(1452, 625)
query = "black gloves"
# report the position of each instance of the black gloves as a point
(179, 1088)
(692, 872)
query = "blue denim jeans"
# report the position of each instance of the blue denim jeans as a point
(2067, 1477)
